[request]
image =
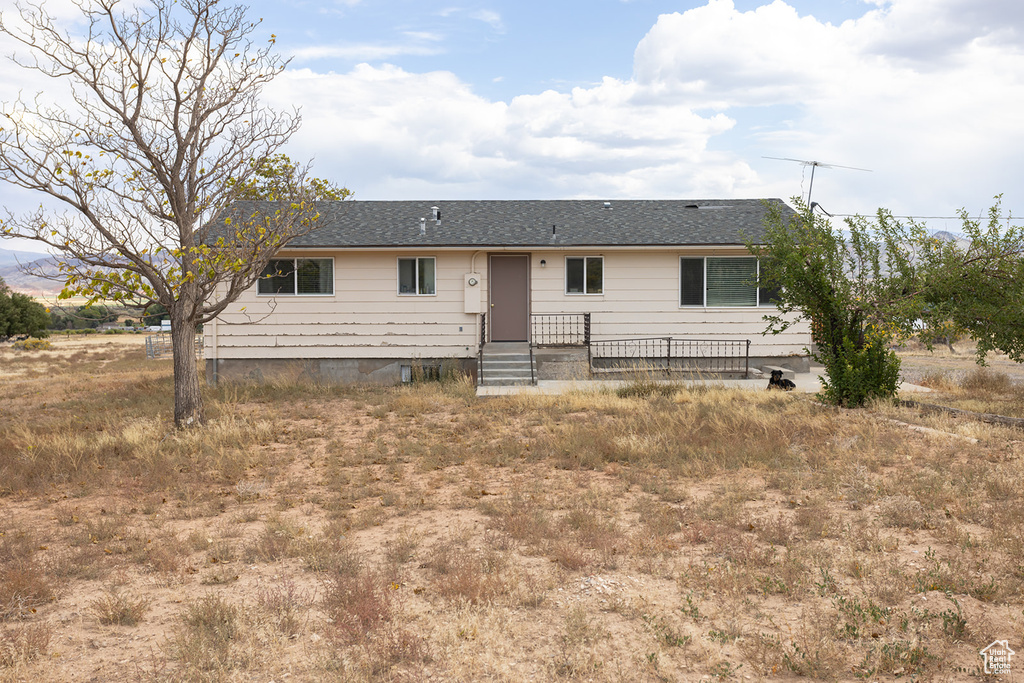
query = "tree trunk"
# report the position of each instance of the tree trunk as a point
(188, 399)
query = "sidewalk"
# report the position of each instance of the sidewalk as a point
(806, 382)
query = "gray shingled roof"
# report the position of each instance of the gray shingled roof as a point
(528, 223)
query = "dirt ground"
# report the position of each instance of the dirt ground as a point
(310, 533)
(917, 362)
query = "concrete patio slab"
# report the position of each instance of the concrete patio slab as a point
(806, 382)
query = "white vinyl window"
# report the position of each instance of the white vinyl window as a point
(722, 281)
(417, 276)
(584, 275)
(302, 276)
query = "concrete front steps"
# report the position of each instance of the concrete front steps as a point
(507, 364)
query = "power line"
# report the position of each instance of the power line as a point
(929, 218)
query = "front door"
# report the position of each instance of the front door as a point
(510, 296)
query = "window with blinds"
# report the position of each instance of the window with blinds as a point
(304, 276)
(721, 281)
(731, 281)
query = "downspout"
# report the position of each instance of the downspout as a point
(214, 359)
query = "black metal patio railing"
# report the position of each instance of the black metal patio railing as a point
(560, 329)
(671, 354)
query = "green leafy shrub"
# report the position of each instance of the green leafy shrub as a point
(856, 374)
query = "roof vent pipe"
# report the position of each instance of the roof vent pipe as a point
(436, 212)
(423, 226)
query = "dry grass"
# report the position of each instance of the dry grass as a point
(120, 608)
(366, 534)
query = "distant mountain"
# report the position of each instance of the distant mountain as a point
(10, 257)
(11, 264)
(947, 236)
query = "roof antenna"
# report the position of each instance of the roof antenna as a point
(813, 165)
(816, 205)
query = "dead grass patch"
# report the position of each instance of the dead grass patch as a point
(119, 608)
(413, 533)
(20, 645)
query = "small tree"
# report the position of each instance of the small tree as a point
(873, 284)
(153, 315)
(20, 314)
(859, 290)
(976, 284)
(160, 131)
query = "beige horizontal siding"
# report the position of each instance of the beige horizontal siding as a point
(641, 299)
(367, 318)
(326, 349)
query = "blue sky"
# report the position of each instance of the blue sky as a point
(502, 49)
(418, 99)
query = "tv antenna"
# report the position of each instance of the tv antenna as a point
(815, 164)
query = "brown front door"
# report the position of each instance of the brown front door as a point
(510, 296)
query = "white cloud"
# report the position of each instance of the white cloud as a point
(380, 128)
(714, 89)
(489, 17)
(363, 51)
(924, 92)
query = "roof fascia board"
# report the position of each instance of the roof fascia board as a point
(523, 248)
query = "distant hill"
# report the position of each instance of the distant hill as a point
(947, 236)
(11, 263)
(11, 257)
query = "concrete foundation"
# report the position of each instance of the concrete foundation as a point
(551, 364)
(798, 364)
(561, 363)
(327, 370)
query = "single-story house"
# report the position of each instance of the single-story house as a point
(382, 288)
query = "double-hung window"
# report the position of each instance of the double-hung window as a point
(722, 281)
(297, 276)
(584, 275)
(417, 276)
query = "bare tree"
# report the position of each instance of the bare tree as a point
(161, 131)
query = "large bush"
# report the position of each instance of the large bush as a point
(20, 315)
(856, 289)
(873, 283)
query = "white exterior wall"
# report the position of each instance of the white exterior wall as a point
(364, 318)
(641, 299)
(367, 318)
